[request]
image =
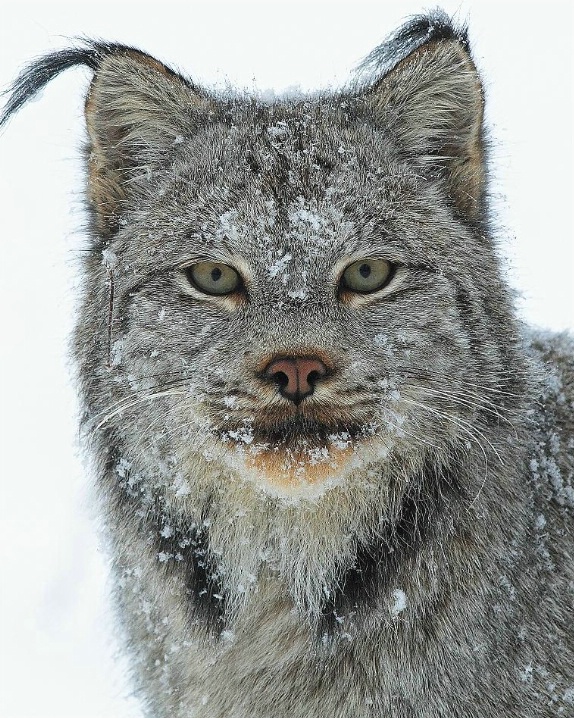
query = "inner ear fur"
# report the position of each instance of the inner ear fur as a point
(136, 109)
(433, 104)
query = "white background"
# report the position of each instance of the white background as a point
(56, 635)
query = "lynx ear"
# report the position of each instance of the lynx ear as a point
(432, 102)
(136, 110)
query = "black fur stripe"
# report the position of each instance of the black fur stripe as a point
(181, 550)
(377, 564)
(189, 552)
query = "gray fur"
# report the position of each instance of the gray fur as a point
(398, 545)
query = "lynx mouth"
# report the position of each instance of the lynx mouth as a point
(299, 454)
(297, 433)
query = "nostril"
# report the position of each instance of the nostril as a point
(313, 377)
(309, 371)
(296, 377)
(280, 378)
(283, 373)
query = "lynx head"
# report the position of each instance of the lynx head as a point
(290, 308)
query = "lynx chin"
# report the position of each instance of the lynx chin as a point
(336, 472)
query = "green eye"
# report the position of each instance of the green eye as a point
(213, 278)
(367, 275)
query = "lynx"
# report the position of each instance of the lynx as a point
(336, 472)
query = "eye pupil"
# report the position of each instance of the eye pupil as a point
(364, 270)
(213, 278)
(367, 275)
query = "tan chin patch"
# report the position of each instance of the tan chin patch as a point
(289, 469)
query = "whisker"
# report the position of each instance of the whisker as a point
(128, 404)
(424, 371)
(461, 423)
(167, 386)
(473, 435)
(471, 401)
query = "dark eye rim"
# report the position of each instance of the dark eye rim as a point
(345, 289)
(238, 289)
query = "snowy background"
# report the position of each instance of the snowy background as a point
(56, 633)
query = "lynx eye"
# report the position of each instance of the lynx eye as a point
(367, 275)
(213, 278)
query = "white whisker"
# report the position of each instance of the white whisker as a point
(473, 436)
(128, 404)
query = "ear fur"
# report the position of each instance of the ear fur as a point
(430, 98)
(136, 107)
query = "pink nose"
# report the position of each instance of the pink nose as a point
(296, 376)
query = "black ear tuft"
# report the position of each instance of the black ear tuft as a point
(136, 107)
(38, 73)
(35, 76)
(425, 92)
(420, 30)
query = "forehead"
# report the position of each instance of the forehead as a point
(309, 181)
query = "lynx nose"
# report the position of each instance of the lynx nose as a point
(296, 376)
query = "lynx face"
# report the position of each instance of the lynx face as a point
(281, 209)
(293, 332)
